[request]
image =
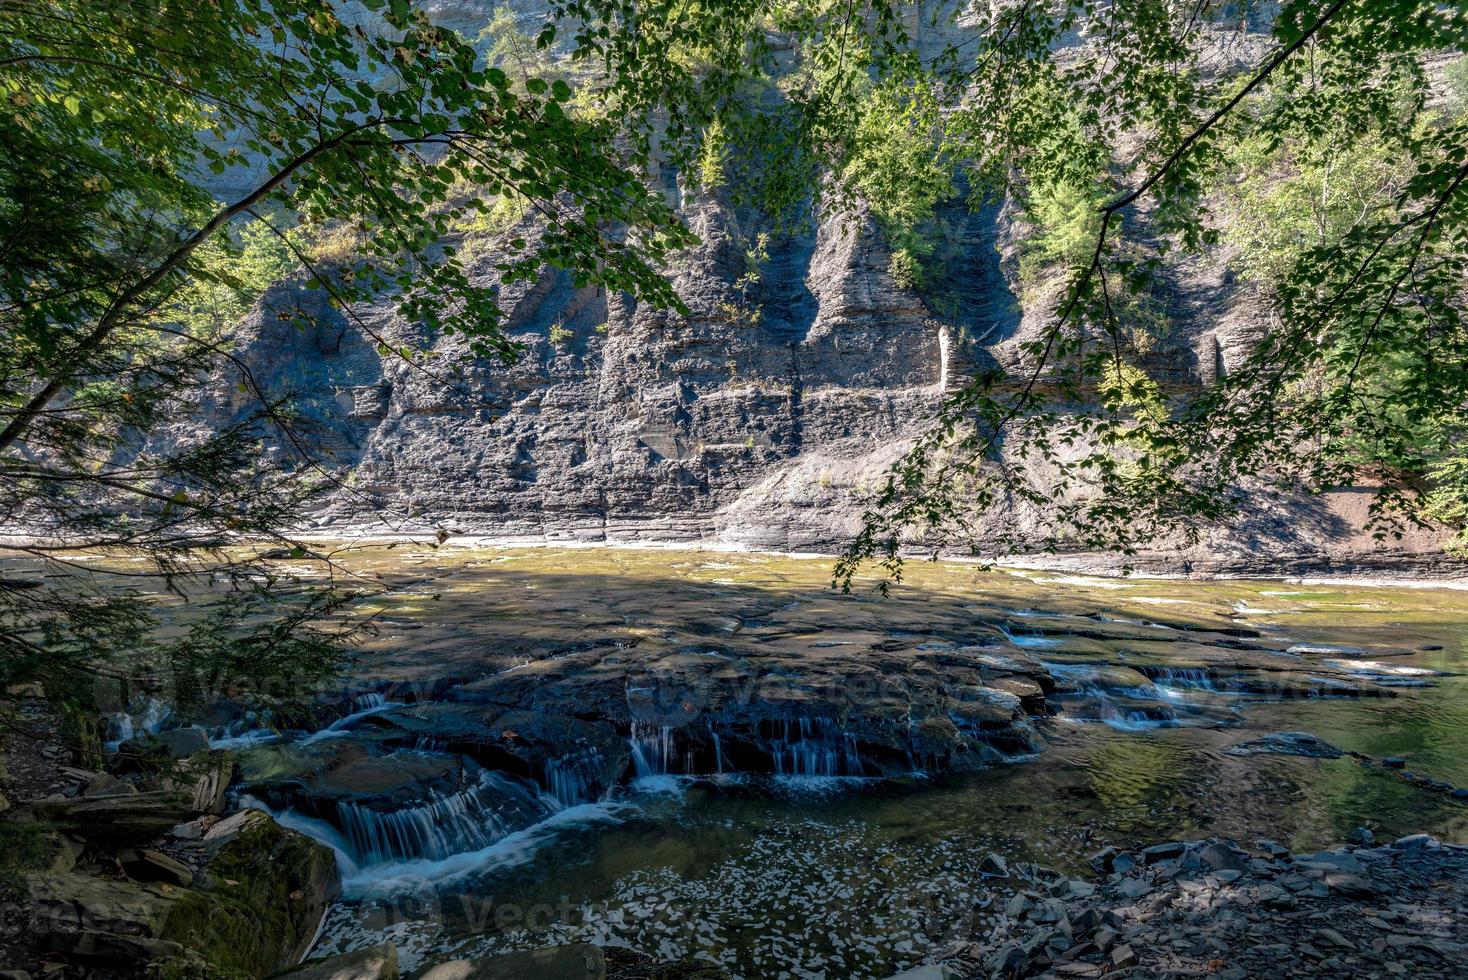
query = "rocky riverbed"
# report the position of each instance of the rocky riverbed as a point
(1175, 909)
(712, 759)
(1214, 907)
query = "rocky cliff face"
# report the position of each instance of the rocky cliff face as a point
(752, 421)
(719, 427)
(759, 420)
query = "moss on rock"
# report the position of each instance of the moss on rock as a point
(262, 896)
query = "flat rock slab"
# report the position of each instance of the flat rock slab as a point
(1287, 743)
(581, 961)
(372, 963)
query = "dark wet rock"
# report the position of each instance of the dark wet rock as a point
(1122, 957)
(1394, 762)
(538, 745)
(118, 820)
(776, 703)
(1163, 852)
(181, 743)
(581, 961)
(317, 775)
(1009, 961)
(1102, 859)
(148, 865)
(994, 864)
(204, 777)
(1350, 885)
(1221, 857)
(1288, 743)
(91, 921)
(371, 963)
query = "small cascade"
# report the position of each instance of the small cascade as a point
(652, 749)
(148, 719)
(576, 778)
(247, 731)
(1122, 706)
(366, 706)
(245, 739)
(818, 748)
(1193, 678)
(467, 820)
(119, 730)
(718, 750)
(1029, 641)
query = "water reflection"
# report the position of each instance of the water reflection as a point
(812, 875)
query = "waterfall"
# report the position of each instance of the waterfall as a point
(818, 749)
(574, 778)
(467, 820)
(367, 705)
(1109, 704)
(1197, 678)
(124, 725)
(652, 749)
(718, 750)
(1030, 641)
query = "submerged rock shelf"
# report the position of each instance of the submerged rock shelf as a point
(452, 752)
(579, 723)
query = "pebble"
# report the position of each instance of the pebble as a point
(994, 864)
(1178, 914)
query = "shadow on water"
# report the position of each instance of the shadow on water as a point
(821, 874)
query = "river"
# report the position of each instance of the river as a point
(819, 848)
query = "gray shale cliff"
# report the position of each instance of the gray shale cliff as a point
(720, 428)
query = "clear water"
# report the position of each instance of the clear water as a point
(816, 874)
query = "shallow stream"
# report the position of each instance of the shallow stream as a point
(794, 865)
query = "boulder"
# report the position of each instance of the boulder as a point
(260, 897)
(372, 963)
(121, 924)
(581, 961)
(205, 776)
(1163, 852)
(1221, 857)
(255, 909)
(994, 864)
(180, 743)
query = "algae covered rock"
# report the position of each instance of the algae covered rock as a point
(259, 899)
(254, 909)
